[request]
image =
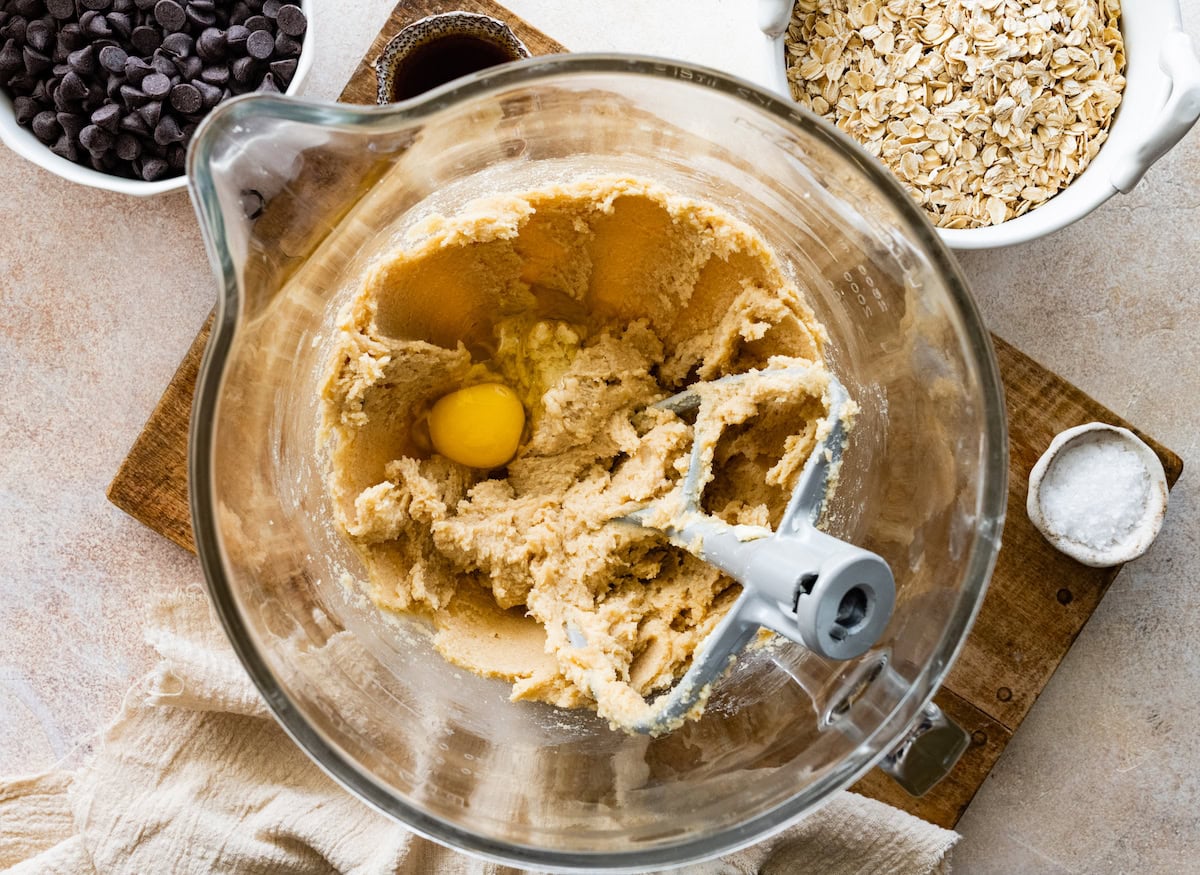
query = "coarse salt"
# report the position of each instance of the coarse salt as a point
(1095, 492)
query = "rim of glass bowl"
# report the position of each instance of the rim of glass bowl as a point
(326, 753)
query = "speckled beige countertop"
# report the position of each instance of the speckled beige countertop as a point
(100, 295)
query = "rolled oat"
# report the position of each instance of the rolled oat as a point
(984, 109)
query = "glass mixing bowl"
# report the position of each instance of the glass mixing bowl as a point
(296, 198)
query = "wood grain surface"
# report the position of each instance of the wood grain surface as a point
(1038, 600)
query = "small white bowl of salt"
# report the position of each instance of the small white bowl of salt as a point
(1098, 494)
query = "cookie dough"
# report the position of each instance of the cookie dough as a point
(591, 300)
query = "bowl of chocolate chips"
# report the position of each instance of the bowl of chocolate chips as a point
(108, 93)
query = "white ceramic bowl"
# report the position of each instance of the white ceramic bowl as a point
(24, 143)
(1152, 509)
(1160, 105)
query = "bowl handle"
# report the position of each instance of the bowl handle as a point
(927, 752)
(774, 16)
(1182, 68)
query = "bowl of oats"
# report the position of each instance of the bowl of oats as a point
(1005, 120)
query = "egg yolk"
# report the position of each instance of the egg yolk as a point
(479, 426)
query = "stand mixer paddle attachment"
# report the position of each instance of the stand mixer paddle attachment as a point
(814, 589)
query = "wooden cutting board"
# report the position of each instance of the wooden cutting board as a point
(1038, 601)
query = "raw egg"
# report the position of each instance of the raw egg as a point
(479, 426)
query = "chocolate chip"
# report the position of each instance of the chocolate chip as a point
(150, 113)
(98, 27)
(39, 35)
(210, 45)
(95, 97)
(83, 61)
(189, 67)
(95, 139)
(200, 18)
(61, 9)
(134, 124)
(133, 97)
(113, 58)
(270, 8)
(24, 110)
(144, 5)
(268, 85)
(235, 38)
(178, 44)
(286, 46)
(283, 71)
(10, 59)
(154, 169)
(22, 83)
(169, 15)
(156, 85)
(127, 147)
(215, 76)
(98, 5)
(63, 102)
(65, 148)
(120, 23)
(70, 123)
(209, 94)
(136, 70)
(104, 161)
(239, 13)
(71, 36)
(45, 126)
(14, 30)
(107, 117)
(167, 131)
(177, 157)
(243, 69)
(186, 99)
(260, 44)
(164, 63)
(72, 87)
(258, 22)
(35, 61)
(145, 39)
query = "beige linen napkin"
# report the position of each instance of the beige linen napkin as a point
(194, 776)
